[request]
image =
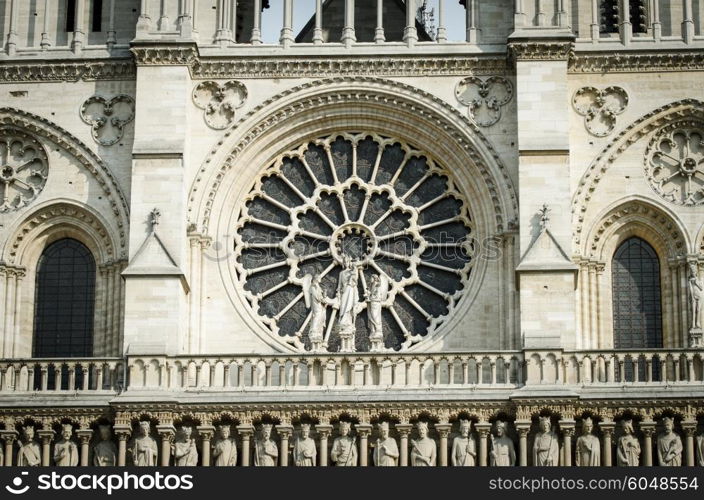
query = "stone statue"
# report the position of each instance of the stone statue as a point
(348, 296)
(65, 450)
(628, 449)
(344, 448)
(184, 448)
(464, 446)
(225, 448)
(266, 452)
(423, 450)
(696, 296)
(304, 452)
(144, 447)
(588, 449)
(700, 450)
(546, 450)
(376, 295)
(669, 445)
(29, 454)
(386, 450)
(105, 451)
(503, 453)
(314, 296)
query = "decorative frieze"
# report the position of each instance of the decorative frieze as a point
(67, 71)
(638, 62)
(540, 50)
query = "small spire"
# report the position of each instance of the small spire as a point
(544, 216)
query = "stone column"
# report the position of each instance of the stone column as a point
(379, 36)
(246, 431)
(167, 434)
(567, 428)
(348, 34)
(123, 432)
(363, 431)
(318, 30)
(46, 436)
(410, 34)
(10, 437)
(443, 431)
(79, 31)
(690, 429)
(523, 428)
(607, 429)
(206, 433)
(84, 436)
(285, 432)
(483, 429)
(324, 431)
(648, 428)
(403, 431)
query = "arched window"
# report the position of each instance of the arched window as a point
(635, 275)
(65, 300)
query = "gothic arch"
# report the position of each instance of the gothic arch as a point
(45, 224)
(44, 128)
(634, 216)
(365, 105)
(648, 123)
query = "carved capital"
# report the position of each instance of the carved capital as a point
(483, 429)
(285, 431)
(689, 427)
(523, 428)
(323, 430)
(647, 427)
(245, 430)
(46, 435)
(9, 436)
(363, 430)
(167, 432)
(207, 432)
(567, 427)
(84, 435)
(443, 429)
(404, 429)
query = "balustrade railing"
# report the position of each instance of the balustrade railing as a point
(338, 371)
(60, 375)
(356, 371)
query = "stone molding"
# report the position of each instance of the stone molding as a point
(626, 62)
(164, 54)
(540, 50)
(67, 71)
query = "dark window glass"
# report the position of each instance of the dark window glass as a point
(65, 298)
(97, 15)
(636, 296)
(611, 16)
(70, 15)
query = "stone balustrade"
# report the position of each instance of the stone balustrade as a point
(500, 370)
(51, 375)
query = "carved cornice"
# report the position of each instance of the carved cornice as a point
(165, 54)
(623, 62)
(67, 71)
(291, 67)
(540, 50)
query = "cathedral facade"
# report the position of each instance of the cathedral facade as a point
(364, 244)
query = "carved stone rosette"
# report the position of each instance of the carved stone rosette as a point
(24, 168)
(674, 163)
(484, 97)
(108, 117)
(387, 207)
(599, 107)
(219, 101)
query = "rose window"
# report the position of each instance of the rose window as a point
(675, 164)
(354, 242)
(23, 169)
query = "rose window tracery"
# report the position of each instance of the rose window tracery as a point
(23, 169)
(675, 163)
(354, 242)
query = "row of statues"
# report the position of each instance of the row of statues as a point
(344, 453)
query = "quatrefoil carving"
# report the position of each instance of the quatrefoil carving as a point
(219, 101)
(108, 117)
(600, 108)
(485, 98)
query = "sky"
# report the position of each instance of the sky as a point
(303, 10)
